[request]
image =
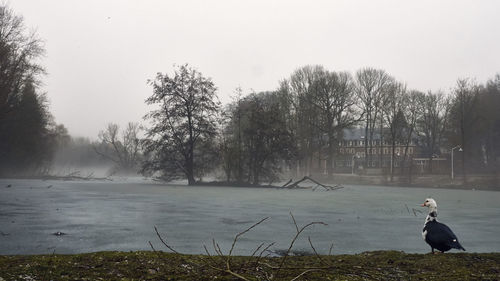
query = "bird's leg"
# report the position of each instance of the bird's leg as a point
(433, 251)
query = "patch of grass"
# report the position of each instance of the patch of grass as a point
(144, 265)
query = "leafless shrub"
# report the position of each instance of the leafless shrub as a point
(255, 267)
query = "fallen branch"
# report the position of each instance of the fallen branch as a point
(69, 177)
(296, 184)
(287, 183)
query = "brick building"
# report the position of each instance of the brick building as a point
(351, 156)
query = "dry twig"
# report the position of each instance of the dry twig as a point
(152, 246)
(164, 243)
(299, 231)
(315, 252)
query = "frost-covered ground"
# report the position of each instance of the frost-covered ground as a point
(120, 215)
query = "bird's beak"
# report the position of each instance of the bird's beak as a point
(423, 205)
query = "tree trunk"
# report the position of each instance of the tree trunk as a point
(190, 169)
(392, 158)
(366, 145)
(331, 151)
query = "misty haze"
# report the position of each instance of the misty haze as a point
(249, 140)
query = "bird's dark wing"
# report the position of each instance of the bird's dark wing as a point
(440, 233)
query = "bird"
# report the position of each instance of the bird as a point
(438, 235)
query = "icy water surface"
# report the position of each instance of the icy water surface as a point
(120, 215)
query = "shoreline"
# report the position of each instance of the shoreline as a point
(157, 265)
(474, 182)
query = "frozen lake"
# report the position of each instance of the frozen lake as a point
(120, 215)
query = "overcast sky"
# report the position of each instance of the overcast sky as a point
(101, 53)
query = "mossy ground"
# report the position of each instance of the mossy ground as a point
(382, 265)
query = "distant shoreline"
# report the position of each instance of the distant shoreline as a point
(474, 182)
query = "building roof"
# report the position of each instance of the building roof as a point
(358, 134)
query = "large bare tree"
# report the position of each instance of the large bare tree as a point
(464, 117)
(183, 124)
(396, 102)
(371, 85)
(431, 126)
(300, 88)
(334, 102)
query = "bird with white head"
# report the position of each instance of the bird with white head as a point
(438, 235)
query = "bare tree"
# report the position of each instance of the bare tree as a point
(463, 116)
(25, 120)
(434, 109)
(19, 52)
(301, 92)
(396, 103)
(184, 124)
(123, 149)
(334, 102)
(370, 89)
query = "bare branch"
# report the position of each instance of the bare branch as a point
(262, 252)
(243, 232)
(217, 248)
(294, 222)
(315, 252)
(164, 243)
(287, 183)
(153, 248)
(293, 241)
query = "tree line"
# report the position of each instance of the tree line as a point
(29, 135)
(258, 135)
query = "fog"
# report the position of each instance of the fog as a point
(99, 55)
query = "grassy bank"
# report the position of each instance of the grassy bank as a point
(382, 265)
